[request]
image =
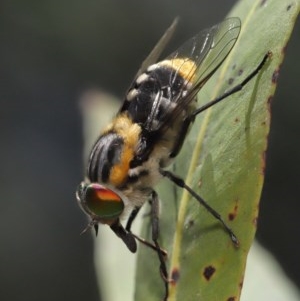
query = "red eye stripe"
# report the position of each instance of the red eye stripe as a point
(104, 204)
(104, 194)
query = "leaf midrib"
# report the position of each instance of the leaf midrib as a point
(193, 163)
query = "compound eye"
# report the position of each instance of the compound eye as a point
(102, 202)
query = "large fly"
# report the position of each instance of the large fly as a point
(130, 156)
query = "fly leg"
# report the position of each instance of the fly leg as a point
(181, 136)
(155, 233)
(130, 220)
(235, 89)
(180, 182)
(189, 119)
(127, 237)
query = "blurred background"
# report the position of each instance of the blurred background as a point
(51, 53)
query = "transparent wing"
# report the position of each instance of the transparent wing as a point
(158, 48)
(208, 49)
(153, 56)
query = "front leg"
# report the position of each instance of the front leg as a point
(130, 220)
(127, 237)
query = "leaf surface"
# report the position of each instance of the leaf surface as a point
(223, 160)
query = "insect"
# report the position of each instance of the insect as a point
(131, 155)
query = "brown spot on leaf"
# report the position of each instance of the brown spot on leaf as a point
(175, 275)
(289, 7)
(231, 299)
(191, 223)
(275, 76)
(240, 72)
(230, 81)
(263, 2)
(254, 222)
(270, 98)
(241, 284)
(283, 50)
(208, 272)
(232, 215)
(263, 163)
(236, 120)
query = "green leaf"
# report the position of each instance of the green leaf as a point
(223, 160)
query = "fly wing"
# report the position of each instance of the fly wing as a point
(208, 50)
(153, 56)
(158, 48)
(199, 58)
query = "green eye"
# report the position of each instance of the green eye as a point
(100, 201)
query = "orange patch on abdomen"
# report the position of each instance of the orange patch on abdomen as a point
(184, 66)
(130, 132)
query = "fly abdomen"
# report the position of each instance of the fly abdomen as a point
(155, 94)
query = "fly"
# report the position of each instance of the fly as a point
(130, 156)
